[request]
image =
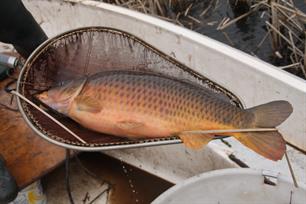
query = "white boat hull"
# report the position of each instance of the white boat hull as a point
(252, 80)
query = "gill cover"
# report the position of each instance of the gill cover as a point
(59, 98)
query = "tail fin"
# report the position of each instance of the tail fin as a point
(268, 144)
(271, 114)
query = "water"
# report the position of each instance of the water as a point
(245, 35)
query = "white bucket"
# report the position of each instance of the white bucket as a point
(234, 186)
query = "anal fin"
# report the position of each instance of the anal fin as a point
(195, 141)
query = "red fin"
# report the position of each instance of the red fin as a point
(270, 145)
(195, 141)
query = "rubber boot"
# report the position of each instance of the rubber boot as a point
(8, 185)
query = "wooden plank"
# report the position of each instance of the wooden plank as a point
(28, 156)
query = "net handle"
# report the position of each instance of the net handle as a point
(49, 116)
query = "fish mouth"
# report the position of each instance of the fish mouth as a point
(42, 98)
(59, 106)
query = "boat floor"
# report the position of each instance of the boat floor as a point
(28, 157)
(126, 184)
(297, 160)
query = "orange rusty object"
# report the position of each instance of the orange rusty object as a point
(28, 156)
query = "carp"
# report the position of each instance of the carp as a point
(136, 104)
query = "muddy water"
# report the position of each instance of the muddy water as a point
(129, 184)
(246, 34)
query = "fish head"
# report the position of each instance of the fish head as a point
(60, 98)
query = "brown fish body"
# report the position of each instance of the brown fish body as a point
(140, 105)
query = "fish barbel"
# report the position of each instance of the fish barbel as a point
(146, 105)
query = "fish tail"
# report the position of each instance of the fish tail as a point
(271, 114)
(268, 144)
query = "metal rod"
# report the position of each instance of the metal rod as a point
(231, 130)
(48, 115)
(291, 170)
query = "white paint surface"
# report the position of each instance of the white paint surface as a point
(229, 186)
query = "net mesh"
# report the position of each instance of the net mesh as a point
(88, 51)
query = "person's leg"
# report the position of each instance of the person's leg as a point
(8, 186)
(18, 27)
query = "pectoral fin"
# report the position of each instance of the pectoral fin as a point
(195, 141)
(86, 103)
(129, 125)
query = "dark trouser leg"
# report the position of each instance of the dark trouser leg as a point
(8, 186)
(18, 27)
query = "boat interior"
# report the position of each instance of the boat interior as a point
(49, 161)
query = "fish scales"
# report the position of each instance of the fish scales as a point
(181, 105)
